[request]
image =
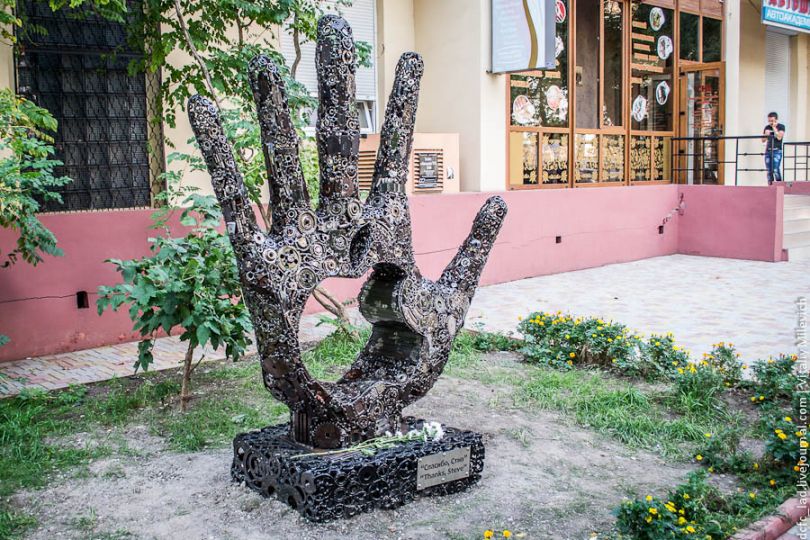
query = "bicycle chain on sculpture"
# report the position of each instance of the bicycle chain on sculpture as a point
(324, 488)
(414, 320)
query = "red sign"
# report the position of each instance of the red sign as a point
(561, 11)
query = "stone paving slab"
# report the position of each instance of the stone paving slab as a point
(702, 300)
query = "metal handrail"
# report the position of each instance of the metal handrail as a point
(703, 164)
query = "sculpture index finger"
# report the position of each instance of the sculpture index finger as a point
(225, 177)
(338, 124)
(279, 140)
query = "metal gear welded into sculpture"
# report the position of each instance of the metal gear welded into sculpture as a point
(414, 320)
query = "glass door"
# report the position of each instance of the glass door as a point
(699, 158)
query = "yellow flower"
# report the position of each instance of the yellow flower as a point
(648, 498)
(756, 466)
(690, 529)
(781, 436)
(772, 482)
(507, 533)
(488, 534)
(649, 519)
(788, 419)
(711, 469)
(570, 363)
(567, 336)
(681, 520)
(796, 468)
(653, 511)
(657, 343)
(520, 318)
(803, 444)
(671, 507)
(761, 398)
(745, 366)
(686, 496)
(699, 457)
(572, 355)
(753, 398)
(707, 435)
(752, 495)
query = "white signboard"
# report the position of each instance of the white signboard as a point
(523, 34)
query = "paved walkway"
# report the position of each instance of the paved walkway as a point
(92, 365)
(702, 300)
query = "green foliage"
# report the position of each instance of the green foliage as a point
(190, 282)
(786, 442)
(775, 379)
(697, 509)
(26, 176)
(725, 359)
(14, 524)
(697, 389)
(685, 513)
(27, 425)
(336, 351)
(661, 358)
(562, 341)
(121, 401)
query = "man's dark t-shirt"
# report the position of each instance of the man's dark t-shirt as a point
(777, 144)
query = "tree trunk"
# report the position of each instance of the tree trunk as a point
(185, 395)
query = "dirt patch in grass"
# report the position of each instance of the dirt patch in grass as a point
(544, 477)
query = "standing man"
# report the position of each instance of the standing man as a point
(772, 135)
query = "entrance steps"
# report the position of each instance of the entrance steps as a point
(796, 235)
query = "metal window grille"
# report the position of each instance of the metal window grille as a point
(75, 65)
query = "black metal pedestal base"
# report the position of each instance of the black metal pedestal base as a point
(332, 486)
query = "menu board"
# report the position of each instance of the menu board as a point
(523, 35)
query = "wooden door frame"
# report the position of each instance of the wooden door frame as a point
(720, 67)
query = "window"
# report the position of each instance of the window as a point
(76, 67)
(587, 72)
(612, 83)
(690, 37)
(712, 39)
(651, 80)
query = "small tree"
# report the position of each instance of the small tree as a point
(190, 282)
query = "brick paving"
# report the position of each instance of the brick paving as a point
(702, 300)
(93, 365)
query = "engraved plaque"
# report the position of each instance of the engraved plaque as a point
(441, 468)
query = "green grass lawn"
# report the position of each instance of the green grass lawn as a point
(36, 428)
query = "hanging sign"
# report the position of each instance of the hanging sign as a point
(523, 33)
(788, 14)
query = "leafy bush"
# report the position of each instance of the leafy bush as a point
(26, 176)
(775, 379)
(561, 341)
(725, 359)
(686, 512)
(190, 283)
(661, 358)
(697, 388)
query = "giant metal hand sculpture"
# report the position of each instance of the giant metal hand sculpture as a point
(414, 319)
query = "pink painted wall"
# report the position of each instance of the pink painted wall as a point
(797, 188)
(598, 226)
(740, 222)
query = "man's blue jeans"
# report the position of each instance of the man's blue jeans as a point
(773, 164)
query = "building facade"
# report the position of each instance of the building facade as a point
(629, 79)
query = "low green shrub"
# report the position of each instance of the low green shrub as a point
(725, 359)
(661, 358)
(697, 388)
(562, 341)
(686, 512)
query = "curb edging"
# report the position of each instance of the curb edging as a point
(772, 527)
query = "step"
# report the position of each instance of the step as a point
(799, 254)
(796, 225)
(794, 240)
(796, 212)
(793, 201)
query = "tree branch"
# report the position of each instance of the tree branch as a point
(193, 49)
